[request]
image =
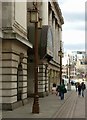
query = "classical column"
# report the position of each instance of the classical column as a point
(50, 17)
(45, 13)
(53, 28)
(56, 43)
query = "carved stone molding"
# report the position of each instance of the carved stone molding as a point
(58, 10)
(19, 29)
(9, 33)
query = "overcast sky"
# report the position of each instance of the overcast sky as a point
(73, 34)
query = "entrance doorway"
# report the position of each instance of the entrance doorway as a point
(19, 82)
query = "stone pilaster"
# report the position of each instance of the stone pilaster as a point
(56, 43)
(43, 80)
(1, 55)
(45, 13)
(53, 29)
(50, 18)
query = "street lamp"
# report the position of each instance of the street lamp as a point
(33, 16)
(46, 66)
(35, 19)
(69, 69)
(60, 53)
(40, 22)
(69, 66)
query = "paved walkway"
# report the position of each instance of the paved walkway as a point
(74, 107)
(51, 106)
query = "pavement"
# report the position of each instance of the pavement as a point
(73, 106)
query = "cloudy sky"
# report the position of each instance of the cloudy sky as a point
(73, 34)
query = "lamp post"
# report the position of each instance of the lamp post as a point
(60, 53)
(46, 66)
(35, 19)
(69, 69)
(69, 85)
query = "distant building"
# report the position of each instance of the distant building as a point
(77, 62)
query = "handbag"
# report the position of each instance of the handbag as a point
(65, 90)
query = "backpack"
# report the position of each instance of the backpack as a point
(65, 90)
(83, 87)
(58, 89)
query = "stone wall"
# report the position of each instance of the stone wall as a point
(10, 60)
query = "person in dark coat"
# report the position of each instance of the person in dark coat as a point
(83, 87)
(76, 86)
(62, 90)
(79, 89)
(58, 90)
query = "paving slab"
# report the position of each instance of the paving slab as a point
(48, 106)
(52, 106)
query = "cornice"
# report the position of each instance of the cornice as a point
(18, 28)
(10, 34)
(59, 13)
(56, 64)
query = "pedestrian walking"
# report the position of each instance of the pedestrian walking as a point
(62, 90)
(83, 87)
(79, 89)
(58, 90)
(76, 86)
(54, 88)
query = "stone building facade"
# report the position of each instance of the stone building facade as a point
(0, 52)
(55, 21)
(49, 60)
(17, 51)
(14, 54)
